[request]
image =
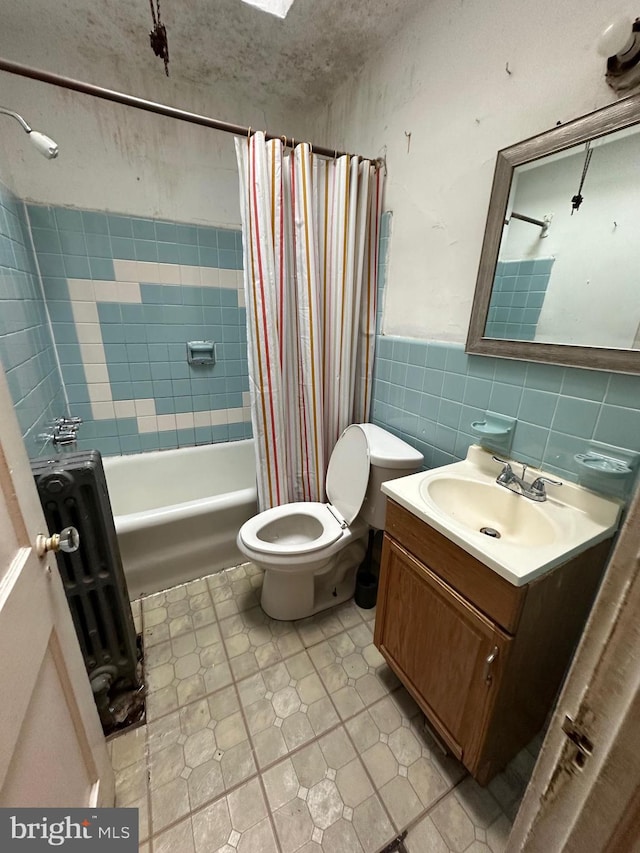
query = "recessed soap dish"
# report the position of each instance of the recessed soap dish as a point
(604, 465)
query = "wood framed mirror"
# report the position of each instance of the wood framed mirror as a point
(559, 273)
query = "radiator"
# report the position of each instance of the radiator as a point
(73, 492)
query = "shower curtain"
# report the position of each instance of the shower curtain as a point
(310, 239)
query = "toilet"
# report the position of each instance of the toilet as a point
(311, 551)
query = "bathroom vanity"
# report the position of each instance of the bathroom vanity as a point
(482, 655)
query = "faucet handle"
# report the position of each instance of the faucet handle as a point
(538, 485)
(502, 461)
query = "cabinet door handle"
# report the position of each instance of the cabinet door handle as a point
(488, 663)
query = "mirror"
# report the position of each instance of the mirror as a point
(559, 275)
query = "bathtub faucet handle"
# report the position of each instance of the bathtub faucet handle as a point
(68, 423)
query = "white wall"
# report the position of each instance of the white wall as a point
(443, 80)
(592, 296)
(123, 160)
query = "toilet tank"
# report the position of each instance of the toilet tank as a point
(390, 457)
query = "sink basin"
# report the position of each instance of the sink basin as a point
(518, 538)
(492, 510)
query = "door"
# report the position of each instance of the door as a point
(52, 750)
(584, 794)
(449, 653)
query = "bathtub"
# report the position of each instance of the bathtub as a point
(177, 512)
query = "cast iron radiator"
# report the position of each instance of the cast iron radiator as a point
(73, 492)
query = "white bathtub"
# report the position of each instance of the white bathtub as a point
(177, 512)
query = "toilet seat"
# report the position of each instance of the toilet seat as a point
(296, 528)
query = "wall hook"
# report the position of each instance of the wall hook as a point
(507, 69)
(408, 135)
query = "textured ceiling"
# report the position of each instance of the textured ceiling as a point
(212, 42)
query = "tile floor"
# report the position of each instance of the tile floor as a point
(274, 737)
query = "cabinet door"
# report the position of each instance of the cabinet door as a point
(449, 655)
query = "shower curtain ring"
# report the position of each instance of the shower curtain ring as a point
(249, 133)
(285, 140)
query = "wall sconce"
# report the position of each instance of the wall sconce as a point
(620, 44)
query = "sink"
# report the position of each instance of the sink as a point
(518, 538)
(492, 510)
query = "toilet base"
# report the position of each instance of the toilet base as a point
(289, 595)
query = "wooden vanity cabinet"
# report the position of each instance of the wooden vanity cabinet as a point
(484, 659)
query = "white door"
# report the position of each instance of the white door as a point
(52, 750)
(584, 795)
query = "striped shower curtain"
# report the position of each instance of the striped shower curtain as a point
(310, 236)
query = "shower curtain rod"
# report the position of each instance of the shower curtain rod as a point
(152, 106)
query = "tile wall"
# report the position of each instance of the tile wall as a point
(519, 289)
(429, 392)
(125, 295)
(26, 346)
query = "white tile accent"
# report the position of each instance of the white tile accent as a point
(128, 291)
(166, 422)
(103, 411)
(147, 271)
(126, 270)
(100, 392)
(89, 333)
(169, 274)
(201, 419)
(92, 354)
(105, 291)
(145, 408)
(185, 420)
(96, 373)
(80, 289)
(209, 276)
(85, 312)
(246, 398)
(148, 424)
(228, 279)
(234, 415)
(190, 275)
(242, 303)
(86, 293)
(124, 408)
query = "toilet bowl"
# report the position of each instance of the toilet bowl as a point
(310, 551)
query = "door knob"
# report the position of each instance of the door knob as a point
(68, 540)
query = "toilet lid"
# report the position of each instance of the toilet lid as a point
(348, 472)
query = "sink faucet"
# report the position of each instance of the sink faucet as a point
(535, 491)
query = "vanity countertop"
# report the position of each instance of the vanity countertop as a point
(463, 499)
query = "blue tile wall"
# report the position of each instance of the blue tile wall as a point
(429, 392)
(26, 346)
(75, 243)
(517, 297)
(145, 344)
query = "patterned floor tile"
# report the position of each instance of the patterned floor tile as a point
(341, 749)
(353, 670)
(254, 641)
(322, 795)
(177, 611)
(236, 590)
(400, 756)
(185, 668)
(237, 822)
(203, 750)
(286, 706)
(132, 792)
